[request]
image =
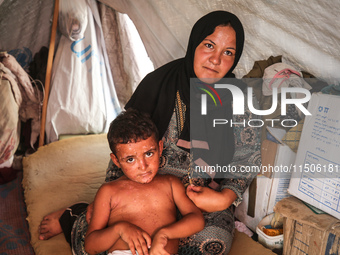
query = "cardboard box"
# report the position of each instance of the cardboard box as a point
(305, 232)
(245, 245)
(271, 187)
(281, 176)
(315, 179)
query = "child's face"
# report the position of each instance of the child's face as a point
(139, 161)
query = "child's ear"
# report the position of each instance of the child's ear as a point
(160, 146)
(115, 160)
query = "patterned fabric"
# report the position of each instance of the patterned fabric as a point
(14, 234)
(78, 236)
(247, 154)
(215, 238)
(180, 109)
(113, 172)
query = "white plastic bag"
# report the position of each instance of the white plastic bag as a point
(82, 99)
(72, 18)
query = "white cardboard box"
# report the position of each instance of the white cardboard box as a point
(269, 190)
(316, 179)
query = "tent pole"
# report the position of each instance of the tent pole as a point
(49, 72)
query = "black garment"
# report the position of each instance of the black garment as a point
(69, 217)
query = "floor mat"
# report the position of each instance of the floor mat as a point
(14, 234)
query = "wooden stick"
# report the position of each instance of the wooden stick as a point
(49, 72)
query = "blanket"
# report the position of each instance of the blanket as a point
(58, 175)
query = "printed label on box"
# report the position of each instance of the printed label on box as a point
(316, 173)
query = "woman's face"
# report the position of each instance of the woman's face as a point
(215, 55)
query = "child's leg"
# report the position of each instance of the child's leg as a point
(60, 221)
(69, 216)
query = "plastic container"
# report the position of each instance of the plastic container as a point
(271, 242)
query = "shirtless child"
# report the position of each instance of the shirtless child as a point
(137, 212)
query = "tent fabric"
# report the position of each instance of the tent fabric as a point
(25, 27)
(305, 34)
(123, 44)
(115, 54)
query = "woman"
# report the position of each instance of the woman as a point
(214, 49)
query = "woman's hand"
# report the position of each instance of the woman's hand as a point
(209, 200)
(89, 212)
(159, 242)
(137, 239)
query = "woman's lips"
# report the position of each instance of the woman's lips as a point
(209, 69)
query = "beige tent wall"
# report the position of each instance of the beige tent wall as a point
(305, 33)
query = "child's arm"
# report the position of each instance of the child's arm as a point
(100, 238)
(89, 212)
(191, 222)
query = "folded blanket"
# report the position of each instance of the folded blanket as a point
(58, 175)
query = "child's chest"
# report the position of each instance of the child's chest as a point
(146, 208)
(142, 198)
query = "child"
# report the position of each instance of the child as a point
(137, 212)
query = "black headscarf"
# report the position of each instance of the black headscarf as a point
(157, 91)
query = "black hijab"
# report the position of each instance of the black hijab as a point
(157, 91)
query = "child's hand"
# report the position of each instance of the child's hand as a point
(159, 242)
(135, 237)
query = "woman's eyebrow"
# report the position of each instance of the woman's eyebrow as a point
(210, 41)
(229, 48)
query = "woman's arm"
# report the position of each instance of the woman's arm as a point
(232, 185)
(209, 200)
